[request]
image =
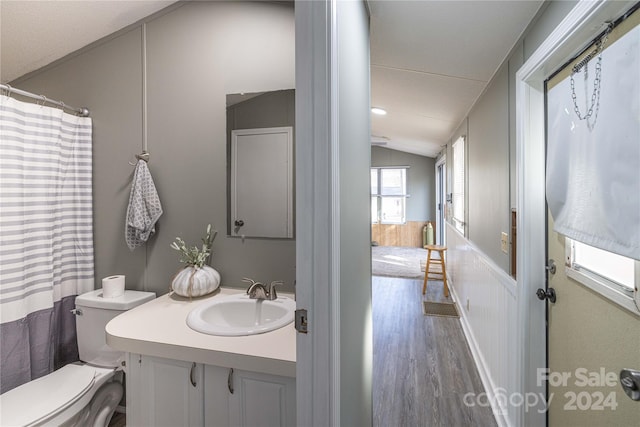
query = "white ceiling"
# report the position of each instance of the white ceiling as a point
(36, 33)
(430, 60)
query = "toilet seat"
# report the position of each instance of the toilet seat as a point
(40, 399)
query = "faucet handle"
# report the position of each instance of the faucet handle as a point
(272, 289)
(257, 291)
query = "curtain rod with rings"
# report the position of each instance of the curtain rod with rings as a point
(82, 112)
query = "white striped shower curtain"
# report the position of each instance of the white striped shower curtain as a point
(46, 236)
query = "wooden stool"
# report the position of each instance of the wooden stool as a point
(435, 268)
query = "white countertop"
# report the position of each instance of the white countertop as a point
(159, 328)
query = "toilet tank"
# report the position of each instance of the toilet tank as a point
(93, 312)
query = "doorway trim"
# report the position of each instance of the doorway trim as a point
(441, 184)
(317, 291)
(585, 20)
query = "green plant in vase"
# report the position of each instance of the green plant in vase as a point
(195, 278)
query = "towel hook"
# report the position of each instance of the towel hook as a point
(142, 156)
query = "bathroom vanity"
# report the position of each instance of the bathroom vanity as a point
(177, 376)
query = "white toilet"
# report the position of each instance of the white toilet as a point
(82, 393)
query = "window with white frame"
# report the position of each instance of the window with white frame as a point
(388, 195)
(458, 185)
(614, 276)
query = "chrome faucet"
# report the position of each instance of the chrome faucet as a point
(258, 291)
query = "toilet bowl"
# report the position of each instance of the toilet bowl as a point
(81, 393)
(61, 398)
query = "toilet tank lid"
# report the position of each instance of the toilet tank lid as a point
(124, 302)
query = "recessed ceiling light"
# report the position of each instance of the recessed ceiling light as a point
(378, 111)
(379, 140)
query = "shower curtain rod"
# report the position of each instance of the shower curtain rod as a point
(82, 112)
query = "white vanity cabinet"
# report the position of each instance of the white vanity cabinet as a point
(162, 391)
(166, 392)
(240, 398)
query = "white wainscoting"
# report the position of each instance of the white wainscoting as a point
(487, 301)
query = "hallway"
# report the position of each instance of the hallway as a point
(422, 365)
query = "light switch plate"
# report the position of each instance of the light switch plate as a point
(504, 242)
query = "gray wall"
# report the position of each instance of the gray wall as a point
(421, 205)
(271, 109)
(487, 151)
(196, 54)
(490, 143)
(356, 349)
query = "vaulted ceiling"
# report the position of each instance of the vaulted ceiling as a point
(36, 33)
(430, 60)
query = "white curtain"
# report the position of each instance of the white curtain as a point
(593, 166)
(46, 235)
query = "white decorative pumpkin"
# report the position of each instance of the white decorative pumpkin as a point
(192, 281)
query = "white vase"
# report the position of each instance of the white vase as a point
(194, 282)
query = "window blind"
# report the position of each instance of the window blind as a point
(592, 181)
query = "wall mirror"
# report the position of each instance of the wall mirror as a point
(260, 171)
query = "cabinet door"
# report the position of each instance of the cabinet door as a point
(168, 393)
(262, 400)
(217, 389)
(133, 390)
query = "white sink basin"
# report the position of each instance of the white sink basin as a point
(238, 315)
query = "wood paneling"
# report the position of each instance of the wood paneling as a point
(486, 297)
(408, 234)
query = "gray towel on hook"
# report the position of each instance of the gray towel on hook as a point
(144, 207)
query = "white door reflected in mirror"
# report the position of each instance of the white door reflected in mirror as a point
(262, 182)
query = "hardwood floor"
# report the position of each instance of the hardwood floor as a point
(118, 420)
(422, 365)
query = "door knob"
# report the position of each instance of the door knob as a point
(549, 294)
(238, 223)
(630, 382)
